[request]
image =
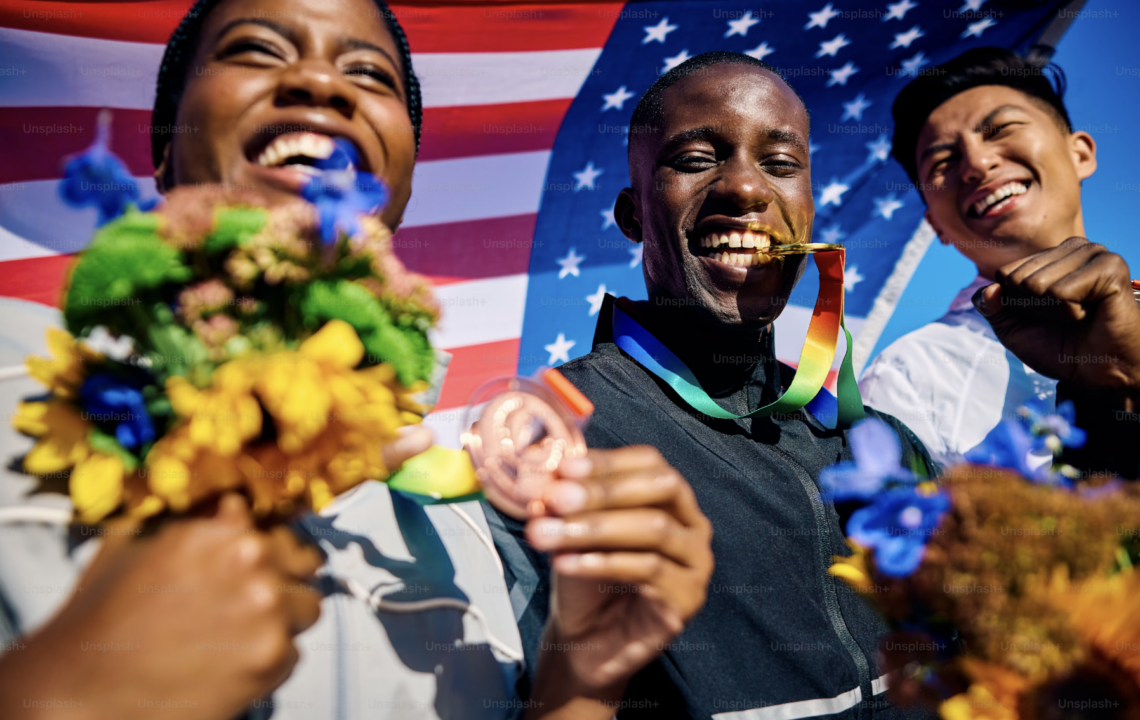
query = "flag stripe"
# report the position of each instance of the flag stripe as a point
(443, 191)
(36, 279)
(473, 365)
(31, 134)
(449, 28)
(118, 74)
(476, 249)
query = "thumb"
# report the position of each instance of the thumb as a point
(988, 300)
(410, 441)
(233, 510)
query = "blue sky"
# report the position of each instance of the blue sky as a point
(1100, 59)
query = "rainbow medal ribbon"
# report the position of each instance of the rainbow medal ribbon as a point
(806, 390)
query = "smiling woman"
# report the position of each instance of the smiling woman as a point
(254, 73)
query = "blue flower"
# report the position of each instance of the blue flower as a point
(877, 459)
(1008, 446)
(342, 194)
(113, 402)
(98, 177)
(897, 525)
(1053, 430)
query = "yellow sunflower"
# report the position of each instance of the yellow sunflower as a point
(66, 370)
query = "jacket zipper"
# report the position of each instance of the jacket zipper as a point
(830, 597)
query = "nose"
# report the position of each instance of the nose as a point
(743, 184)
(979, 159)
(316, 84)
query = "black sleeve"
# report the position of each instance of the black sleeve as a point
(1113, 445)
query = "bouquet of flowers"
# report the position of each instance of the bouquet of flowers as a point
(269, 350)
(1009, 588)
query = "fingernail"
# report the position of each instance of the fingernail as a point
(567, 497)
(546, 531)
(576, 467)
(590, 560)
(567, 563)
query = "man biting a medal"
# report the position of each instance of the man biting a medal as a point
(720, 174)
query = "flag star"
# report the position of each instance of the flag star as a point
(855, 108)
(559, 349)
(596, 299)
(570, 264)
(851, 277)
(886, 206)
(821, 18)
(906, 38)
(910, 66)
(898, 10)
(659, 31)
(880, 149)
(839, 76)
(635, 253)
(833, 193)
(812, 147)
(587, 177)
(832, 234)
(608, 219)
(976, 29)
(740, 27)
(833, 45)
(971, 6)
(616, 99)
(760, 51)
(674, 61)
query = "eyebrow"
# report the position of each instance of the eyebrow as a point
(704, 133)
(985, 122)
(989, 119)
(291, 35)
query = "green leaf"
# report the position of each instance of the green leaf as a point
(125, 261)
(234, 226)
(406, 348)
(176, 350)
(104, 443)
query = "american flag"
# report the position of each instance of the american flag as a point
(524, 147)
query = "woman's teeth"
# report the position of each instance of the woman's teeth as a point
(1016, 187)
(294, 149)
(746, 240)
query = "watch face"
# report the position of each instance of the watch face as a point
(517, 442)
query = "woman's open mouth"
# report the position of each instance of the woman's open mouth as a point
(301, 151)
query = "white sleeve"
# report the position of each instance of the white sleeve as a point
(887, 387)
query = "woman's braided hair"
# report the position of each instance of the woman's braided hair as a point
(180, 51)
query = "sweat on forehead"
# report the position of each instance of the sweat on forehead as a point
(183, 44)
(649, 114)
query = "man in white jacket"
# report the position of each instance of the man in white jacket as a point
(988, 142)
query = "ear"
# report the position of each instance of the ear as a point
(930, 219)
(1083, 150)
(626, 215)
(164, 173)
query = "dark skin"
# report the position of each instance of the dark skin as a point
(628, 519)
(731, 152)
(258, 69)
